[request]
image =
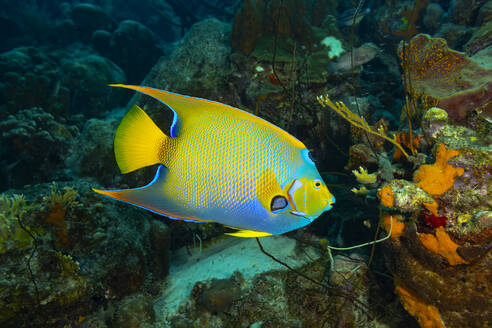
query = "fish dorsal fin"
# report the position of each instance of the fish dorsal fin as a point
(186, 107)
(249, 234)
(267, 189)
(182, 106)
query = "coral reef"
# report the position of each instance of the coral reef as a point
(199, 65)
(460, 84)
(66, 255)
(123, 46)
(67, 80)
(446, 235)
(33, 141)
(231, 292)
(71, 258)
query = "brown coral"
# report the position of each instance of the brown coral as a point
(450, 79)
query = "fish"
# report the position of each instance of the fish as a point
(363, 54)
(347, 17)
(219, 164)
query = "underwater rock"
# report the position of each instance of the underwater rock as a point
(199, 66)
(63, 81)
(246, 288)
(432, 17)
(447, 241)
(219, 296)
(87, 77)
(49, 284)
(484, 13)
(30, 79)
(404, 196)
(481, 39)
(297, 20)
(462, 11)
(63, 32)
(126, 50)
(423, 280)
(33, 141)
(456, 36)
(106, 254)
(160, 241)
(100, 40)
(88, 18)
(135, 311)
(433, 121)
(455, 82)
(91, 154)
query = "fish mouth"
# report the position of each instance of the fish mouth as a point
(330, 204)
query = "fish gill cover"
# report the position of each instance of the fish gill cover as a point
(391, 98)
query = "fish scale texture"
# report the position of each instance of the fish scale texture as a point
(219, 160)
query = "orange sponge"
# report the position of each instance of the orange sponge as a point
(442, 244)
(427, 315)
(438, 177)
(386, 196)
(397, 225)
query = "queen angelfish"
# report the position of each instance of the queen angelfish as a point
(219, 164)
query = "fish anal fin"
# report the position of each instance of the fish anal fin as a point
(118, 195)
(248, 234)
(151, 198)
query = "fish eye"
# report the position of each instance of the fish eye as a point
(317, 184)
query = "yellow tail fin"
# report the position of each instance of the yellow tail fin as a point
(138, 141)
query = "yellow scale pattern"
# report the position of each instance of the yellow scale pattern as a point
(218, 159)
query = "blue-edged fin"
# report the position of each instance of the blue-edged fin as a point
(138, 142)
(249, 234)
(151, 198)
(187, 108)
(184, 107)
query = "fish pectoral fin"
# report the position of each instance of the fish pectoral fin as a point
(138, 142)
(269, 192)
(248, 234)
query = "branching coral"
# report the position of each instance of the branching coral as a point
(58, 203)
(356, 120)
(364, 177)
(67, 198)
(12, 235)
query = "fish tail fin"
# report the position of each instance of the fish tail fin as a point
(139, 142)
